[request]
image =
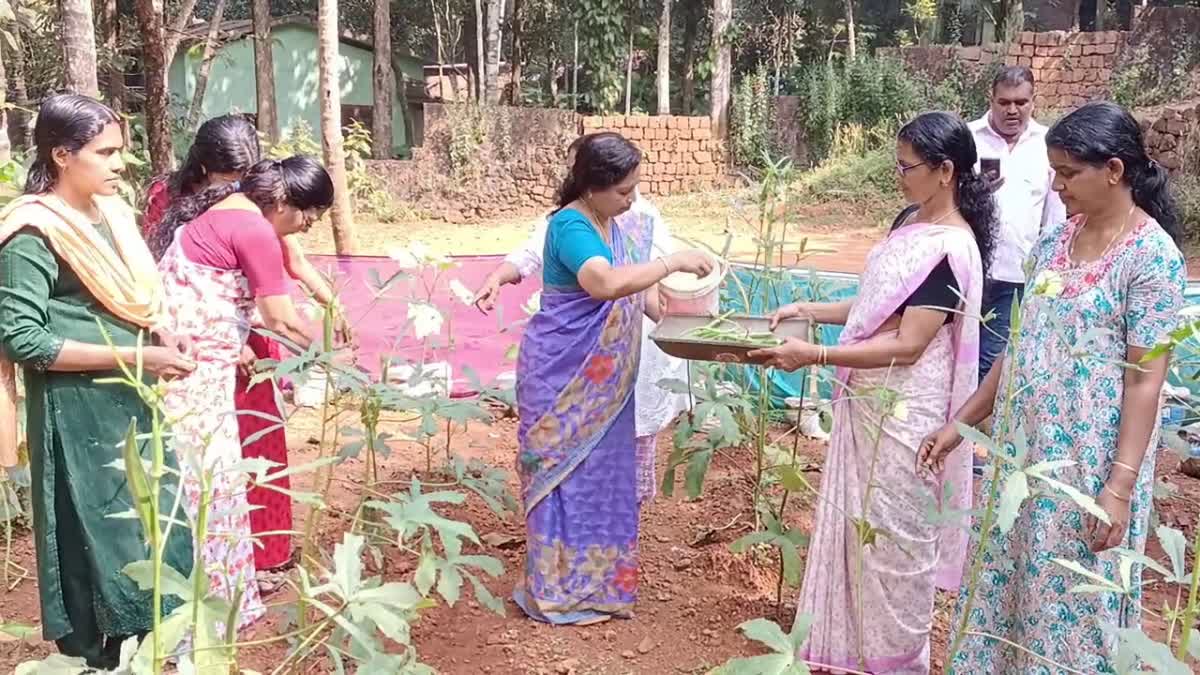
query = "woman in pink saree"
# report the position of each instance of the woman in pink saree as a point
(907, 357)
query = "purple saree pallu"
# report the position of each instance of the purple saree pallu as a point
(577, 453)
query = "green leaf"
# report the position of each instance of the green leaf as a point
(1082, 571)
(751, 540)
(1083, 501)
(390, 622)
(449, 584)
(977, 437)
(696, 471)
(485, 596)
(426, 573)
(767, 664)
(769, 633)
(1154, 654)
(173, 583)
(392, 594)
(1194, 644)
(1175, 546)
(347, 565)
(1016, 490)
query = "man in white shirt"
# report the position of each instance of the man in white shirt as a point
(656, 408)
(1012, 149)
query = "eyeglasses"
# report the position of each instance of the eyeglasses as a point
(903, 169)
(311, 216)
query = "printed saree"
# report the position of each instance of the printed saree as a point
(577, 458)
(871, 597)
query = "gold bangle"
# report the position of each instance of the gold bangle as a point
(1125, 466)
(824, 356)
(1115, 494)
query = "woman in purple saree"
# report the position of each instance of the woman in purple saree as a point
(575, 375)
(907, 357)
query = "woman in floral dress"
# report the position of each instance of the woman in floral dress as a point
(224, 269)
(1107, 286)
(224, 148)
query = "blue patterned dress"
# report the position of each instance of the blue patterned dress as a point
(1067, 388)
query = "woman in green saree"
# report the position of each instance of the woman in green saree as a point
(73, 271)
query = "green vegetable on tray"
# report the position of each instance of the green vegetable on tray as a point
(723, 331)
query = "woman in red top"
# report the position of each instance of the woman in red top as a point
(224, 148)
(225, 271)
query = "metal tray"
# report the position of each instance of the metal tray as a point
(670, 336)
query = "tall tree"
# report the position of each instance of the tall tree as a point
(629, 59)
(330, 98)
(210, 52)
(79, 47)
(690, 29)
(480, 92)
(5, 144)
(851, 33)
(491, 78)
(21, 118)
(154, 55)
(264, 71)
(384, 82)
(160, 44)
(722, 66)
(110, 21)
(517, 60)
(664, 59)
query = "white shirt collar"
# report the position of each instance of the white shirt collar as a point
(984, 125)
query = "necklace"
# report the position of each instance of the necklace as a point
(940, 218)
(1112, 240)
(594, 219)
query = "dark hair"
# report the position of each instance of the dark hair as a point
(68, 121)
(574, 146)
(601, 161)
(1098, 132)
(298, 181)
(1013, 76)
(939, 137)
(225, 144)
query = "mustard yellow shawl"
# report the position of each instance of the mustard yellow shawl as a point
(123, 278)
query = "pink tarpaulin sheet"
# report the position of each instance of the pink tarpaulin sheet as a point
(468, 337)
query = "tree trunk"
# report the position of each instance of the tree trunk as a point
(111, 21)
(688, 90)
(210, 51)
(441, 56)
(22, 118)
(331, 126)
(664, 59)
(722, 66)
(491, 77)
(575, 70)
(629, 64)
(264, 72)
(480, 93)
(5, 144)
(384, 85)
(518, 52)
(150, 23)
(851, 33)
(79, 47)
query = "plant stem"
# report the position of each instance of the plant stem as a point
(155, 535)
(1193, 606)
(989, 516)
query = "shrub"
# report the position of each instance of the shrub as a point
(1141, 80)
(880, 93)
(753, 129)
